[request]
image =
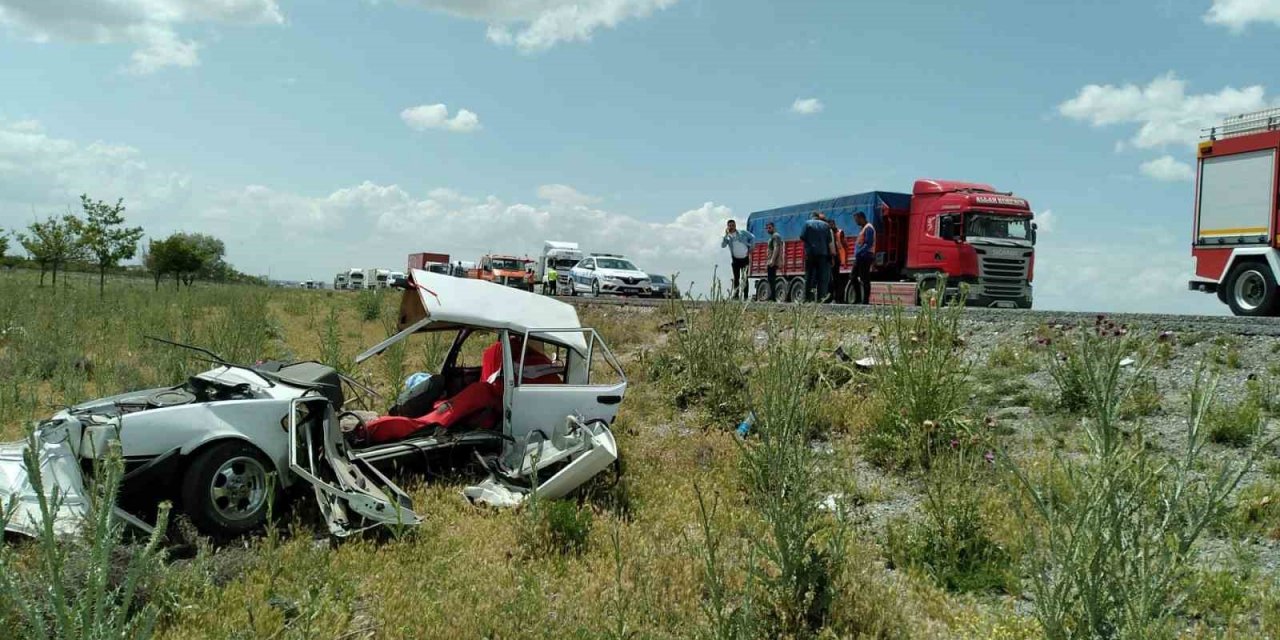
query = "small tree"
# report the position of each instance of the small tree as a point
(103, 235)
(178, 255)
(52, 243)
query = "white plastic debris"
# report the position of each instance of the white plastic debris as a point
(865, 363)
(1127, 362)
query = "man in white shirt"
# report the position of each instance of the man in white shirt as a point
(739, 243)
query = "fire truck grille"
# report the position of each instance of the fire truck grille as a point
(1003, 276)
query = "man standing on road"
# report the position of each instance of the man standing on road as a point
(816, 237)
(739, 243)
(549, 280)
(774, 262)
(864, 253)
(839, 251)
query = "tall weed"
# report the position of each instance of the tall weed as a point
(705, 363)
(1111, 550)
(921, 379)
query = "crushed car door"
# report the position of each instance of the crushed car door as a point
(349, 497)
(550, 422)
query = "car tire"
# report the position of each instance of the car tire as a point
(595, 288)
(797, 290)
(228, 489)
(1251, 290)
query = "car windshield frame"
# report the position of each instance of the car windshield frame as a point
(615, 263)
(975, 231)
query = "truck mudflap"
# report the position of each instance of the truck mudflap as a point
(353, 495)
(60, 480)
(571, 456)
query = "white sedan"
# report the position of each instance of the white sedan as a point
(599, 274)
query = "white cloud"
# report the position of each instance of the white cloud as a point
(436, 116)
(565, 195)
(1045, 221)
(537, 25)
(151, 25)
(1167, 169)
(1163, 111)
(807, 106)
(1237, 14)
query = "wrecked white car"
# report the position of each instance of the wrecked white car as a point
(221, 443)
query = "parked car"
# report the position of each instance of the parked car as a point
(661, 286)
(600, 274)
(214, 442)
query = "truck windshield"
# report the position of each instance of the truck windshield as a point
(564, 263)
(508, 264)
(1004, 227)
(614, 263)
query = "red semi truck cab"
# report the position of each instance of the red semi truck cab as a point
(962, 231)
(1234, 233)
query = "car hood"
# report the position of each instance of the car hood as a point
(622, 273)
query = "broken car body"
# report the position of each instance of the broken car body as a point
(222, 443)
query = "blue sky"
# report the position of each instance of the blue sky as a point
(307, 133)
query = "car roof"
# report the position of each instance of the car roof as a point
(480, 303)
(438, 302)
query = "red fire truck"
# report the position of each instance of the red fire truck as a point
(1235, 237)
(966, 232)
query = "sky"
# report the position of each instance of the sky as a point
(316, 136)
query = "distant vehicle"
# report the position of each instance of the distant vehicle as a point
(340, 281)
(662, 287)
(963, 232)
(507, 270)
(1235, 239)
(355, 278)
(375, 278)
(608, 273)
(559, 257)
(397, 280)
(433, 262)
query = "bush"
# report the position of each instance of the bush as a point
(557, 526)
(1143, 401)
(951, 543)
(1112, 552)
(784, 485)
(920, 374)
(1236, 425)
(705, 361)
(369, 304)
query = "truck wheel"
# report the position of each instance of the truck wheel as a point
(781, 291)
(851, 293)
(763, 291)
(797, 290)
(1251, 290)
(227, 490)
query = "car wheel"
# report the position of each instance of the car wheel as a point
(228, 489)
(595, 288)
(781, 292)
(1251, 290)
(797, 290)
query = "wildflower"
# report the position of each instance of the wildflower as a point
(989, 456)
(930, 425)
(955, 444)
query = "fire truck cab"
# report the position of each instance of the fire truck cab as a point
(1235, 239)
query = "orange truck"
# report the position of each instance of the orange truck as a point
(507, 270)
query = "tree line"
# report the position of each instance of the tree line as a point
(100, 238)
